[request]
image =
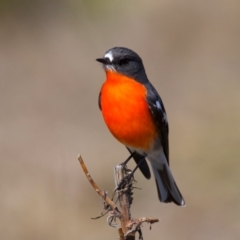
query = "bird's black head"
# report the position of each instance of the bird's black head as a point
(124, 61)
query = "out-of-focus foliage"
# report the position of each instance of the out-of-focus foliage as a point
(49, 85)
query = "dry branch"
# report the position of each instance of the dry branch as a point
(129, 226)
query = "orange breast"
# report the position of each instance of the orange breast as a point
(126, 112)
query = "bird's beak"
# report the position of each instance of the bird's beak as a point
(103, 60)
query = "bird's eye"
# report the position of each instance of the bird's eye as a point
(123, 62)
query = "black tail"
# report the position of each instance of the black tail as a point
(167, 188)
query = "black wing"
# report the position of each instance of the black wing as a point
(159, 115)
(99, 101)
(144, 166)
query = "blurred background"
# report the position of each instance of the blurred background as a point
(49, 85)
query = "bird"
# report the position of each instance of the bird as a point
(135, 115)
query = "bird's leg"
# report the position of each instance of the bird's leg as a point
(128, 159)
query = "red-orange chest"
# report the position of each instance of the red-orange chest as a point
(126, 112)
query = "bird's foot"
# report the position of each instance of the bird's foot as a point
(126, 182)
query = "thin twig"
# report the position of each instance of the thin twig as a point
(97, 189)
(134, 225)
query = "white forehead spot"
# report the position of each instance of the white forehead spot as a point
(109, 56)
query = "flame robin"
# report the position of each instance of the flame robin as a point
(134, 113)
